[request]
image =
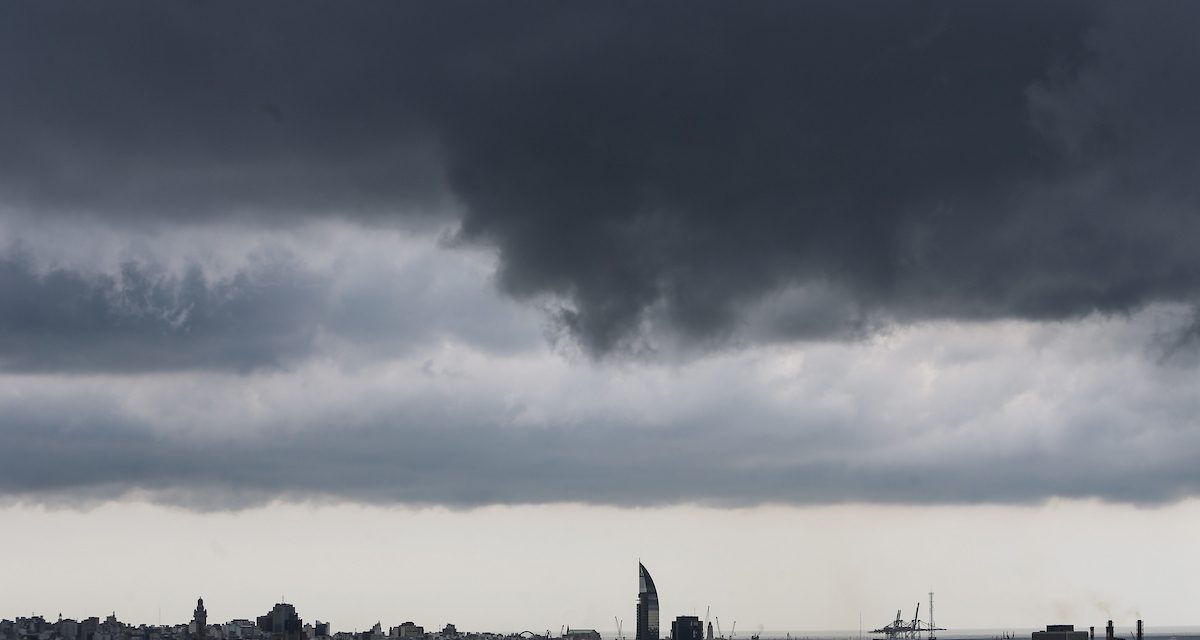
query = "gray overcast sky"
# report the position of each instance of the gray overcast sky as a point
(599, 261)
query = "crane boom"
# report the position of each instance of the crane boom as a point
(901, 629)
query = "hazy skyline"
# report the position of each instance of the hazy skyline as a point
(518, 568)
(704, 277)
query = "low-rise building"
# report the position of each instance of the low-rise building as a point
(1060, 632)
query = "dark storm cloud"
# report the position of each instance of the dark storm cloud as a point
(271, 313)
(145, 318)
(425, 456)
(188, 110)
(657, 168)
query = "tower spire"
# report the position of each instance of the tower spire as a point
(200, 619)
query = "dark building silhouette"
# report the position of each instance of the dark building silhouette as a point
(1060, 632)
(282, 623)
(687, 628)
(88, 628)
(66, 628)
(200, 618)
(647, 607)
(409, 629)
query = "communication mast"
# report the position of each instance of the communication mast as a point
(931, 627)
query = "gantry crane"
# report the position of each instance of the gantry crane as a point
(899, 629)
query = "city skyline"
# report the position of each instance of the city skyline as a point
(283, 622)
(354, 584)
(459, 308)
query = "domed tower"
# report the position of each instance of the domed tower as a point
(201, 620)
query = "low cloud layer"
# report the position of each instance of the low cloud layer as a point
(944, 415)
(470, 467)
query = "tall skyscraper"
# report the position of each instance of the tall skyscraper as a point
(201, 620)
(647, 607)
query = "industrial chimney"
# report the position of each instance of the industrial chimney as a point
(1139, 631)
(1091, 633)
(1108, 632)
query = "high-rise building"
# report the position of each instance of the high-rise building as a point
(647, 607)
(201, 620)
(687, 628)
(282, 623)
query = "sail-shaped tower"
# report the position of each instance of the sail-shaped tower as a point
(647, 607)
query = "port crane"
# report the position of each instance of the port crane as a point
(900, 629)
